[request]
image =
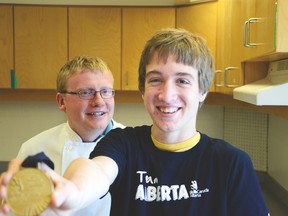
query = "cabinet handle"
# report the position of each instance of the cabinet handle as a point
(226, 71)
(215, 79)
(126, 78)
(246, 38)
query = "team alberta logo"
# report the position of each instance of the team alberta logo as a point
(194, 192)
(150, 190)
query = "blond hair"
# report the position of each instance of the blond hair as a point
(80, 64)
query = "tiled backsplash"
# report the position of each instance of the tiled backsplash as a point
(247, 130)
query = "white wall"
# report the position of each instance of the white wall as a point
(21, 120)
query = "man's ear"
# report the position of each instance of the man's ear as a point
(61, 101)
(142, 94)
(202, 96)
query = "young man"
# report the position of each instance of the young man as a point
(85, 93)
(168, 168)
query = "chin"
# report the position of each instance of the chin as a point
(166, 127)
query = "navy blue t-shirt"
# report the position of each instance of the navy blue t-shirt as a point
(211, 179)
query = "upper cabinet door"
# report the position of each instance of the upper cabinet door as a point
(281, 26)
(200, 19)
(265, 29)
(138, 26)
(229, 45)
(259, 28)
(96, 31)
(40, 45)
(6, 45)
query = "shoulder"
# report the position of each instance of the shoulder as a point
(117, 124)
(132, 131)
(224, 151)
(49, 132)
(121, 138)
(42, 140)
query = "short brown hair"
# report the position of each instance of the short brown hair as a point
(188, 48)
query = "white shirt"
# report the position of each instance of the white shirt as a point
(62, 145)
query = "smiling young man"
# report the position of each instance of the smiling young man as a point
(168, 168)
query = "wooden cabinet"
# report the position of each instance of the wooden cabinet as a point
(268, 27)
(138, 25)
(96, 31)
(281, 44)
(40, 45)
(229, 45)
(247, 30)
(6, 45)
(259, 28)
(200, 19)
(265, 27)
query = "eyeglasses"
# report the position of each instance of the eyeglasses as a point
(88, 94)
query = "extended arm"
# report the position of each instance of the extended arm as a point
(84, 181)
(92, 179)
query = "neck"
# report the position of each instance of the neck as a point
(91, 137)
(170, 137)
(95, 136)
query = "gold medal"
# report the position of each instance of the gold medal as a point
(29, 192)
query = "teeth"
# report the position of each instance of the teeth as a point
(96, 113)
(168, 110)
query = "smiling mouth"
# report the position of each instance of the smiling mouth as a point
(96, 114)
(168, 110)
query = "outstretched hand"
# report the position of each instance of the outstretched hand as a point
(64, 196)
(14, 166)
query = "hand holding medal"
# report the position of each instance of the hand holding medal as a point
(29, 191)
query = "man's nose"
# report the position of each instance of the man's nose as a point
(168, 91)
(97, 98)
